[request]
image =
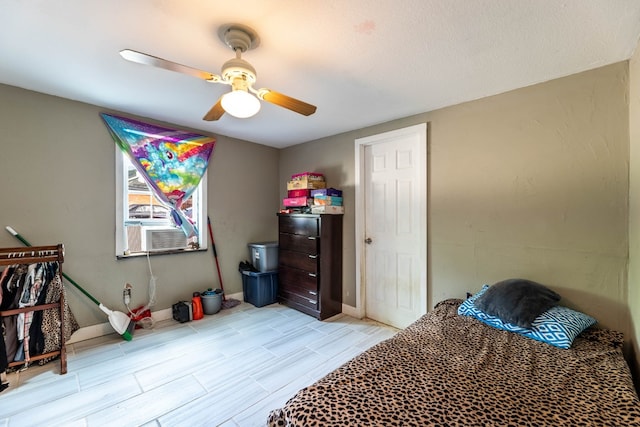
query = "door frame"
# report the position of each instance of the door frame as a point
(360, 143)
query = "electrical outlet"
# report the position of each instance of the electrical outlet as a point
(126, 294)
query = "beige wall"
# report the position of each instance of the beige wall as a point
(58, 185)
(531, 183)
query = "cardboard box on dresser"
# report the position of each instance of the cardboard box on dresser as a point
(307, 192)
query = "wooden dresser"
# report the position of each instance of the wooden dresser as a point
(310, 263)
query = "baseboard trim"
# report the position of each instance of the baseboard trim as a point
(101, 329)
(351, 311)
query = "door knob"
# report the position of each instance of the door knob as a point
(368, 240)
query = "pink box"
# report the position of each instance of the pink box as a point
(299, 193)
(296, 201)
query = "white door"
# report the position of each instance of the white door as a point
(393, 242)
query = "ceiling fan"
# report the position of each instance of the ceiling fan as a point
(236, 72)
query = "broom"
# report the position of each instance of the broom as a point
(226, 302)
(119, 321)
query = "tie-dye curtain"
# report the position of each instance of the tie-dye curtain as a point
(171, 161)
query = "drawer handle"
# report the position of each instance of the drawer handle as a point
(312, 274)
(311, 237)
(313, 293)
(313, 256)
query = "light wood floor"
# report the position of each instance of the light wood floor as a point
(227, 369)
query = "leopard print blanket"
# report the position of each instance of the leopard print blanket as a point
(451, 370)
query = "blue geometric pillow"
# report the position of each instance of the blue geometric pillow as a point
(558, 326)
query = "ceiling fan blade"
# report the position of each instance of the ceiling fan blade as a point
(143, 58)
(286, 101)
(215, 112)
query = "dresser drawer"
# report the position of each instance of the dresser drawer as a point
(299, 243)
(299, 260)
(298, 299)
(298, 225)
(304, 281)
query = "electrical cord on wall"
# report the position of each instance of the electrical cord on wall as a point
(152, 285)
(146, 322)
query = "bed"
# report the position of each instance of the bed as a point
(448, 369)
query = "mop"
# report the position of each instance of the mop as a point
(226, 302)
(120, 322)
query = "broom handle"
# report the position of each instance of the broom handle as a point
(26, 243)
(215, 256)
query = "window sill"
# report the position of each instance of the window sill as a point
(164, 252)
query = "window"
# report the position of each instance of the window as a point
(143, 224)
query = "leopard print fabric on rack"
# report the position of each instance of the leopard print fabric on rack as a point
(51, 319)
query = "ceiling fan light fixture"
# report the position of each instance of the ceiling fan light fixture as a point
(240, 104)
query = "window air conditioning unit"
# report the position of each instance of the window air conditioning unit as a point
(162, 239)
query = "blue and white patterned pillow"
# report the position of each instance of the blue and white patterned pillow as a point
(558, 326)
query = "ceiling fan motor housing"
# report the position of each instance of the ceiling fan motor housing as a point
(238, 68)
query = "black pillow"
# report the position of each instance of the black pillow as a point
(517, 301)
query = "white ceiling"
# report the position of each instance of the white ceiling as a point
(361, 62)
